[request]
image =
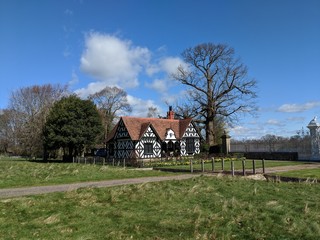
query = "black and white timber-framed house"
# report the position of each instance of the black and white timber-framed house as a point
(147, 138)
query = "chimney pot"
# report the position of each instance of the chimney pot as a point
(170, 114)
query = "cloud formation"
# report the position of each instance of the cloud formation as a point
(293, 108)
(275, 122)
(159, 85)
(140, 106)
(167, 66)
(74, 79)
(113, 61)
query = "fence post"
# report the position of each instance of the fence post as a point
(103, 161)
(212, 164)
(202, 165)
(222, 164)
(72, 159)
(232, 168)
(243, 167)
(253, 166)
(85, 160)
(263, 167)
(191, 166)
(124, 163)
(94, 160)
(113, 162)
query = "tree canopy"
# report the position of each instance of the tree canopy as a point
(110, 102)
(218, 86)
(73, 124)
(22, 123)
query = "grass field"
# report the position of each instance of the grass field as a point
(305, 173)
(199, 208)
(237, 165)
(19, 173)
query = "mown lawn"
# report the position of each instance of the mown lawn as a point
(199, 208)
(19, 173)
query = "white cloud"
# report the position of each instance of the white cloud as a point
(140, 106)
(244, 132)
(159, 85)
(90, 89)
(274, 122)
(170, 64)
(292, 108)
(113, 61)
(174, 98)
(74, 79)
(166, 66)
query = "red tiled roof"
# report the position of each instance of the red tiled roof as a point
(137, 126)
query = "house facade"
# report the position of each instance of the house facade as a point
(146, 138)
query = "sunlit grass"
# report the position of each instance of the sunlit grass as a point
(199, 208)
(304, 173)
(19, 173)
(237, 165)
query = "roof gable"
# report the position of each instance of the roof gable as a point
(136, 126)
(144, 129)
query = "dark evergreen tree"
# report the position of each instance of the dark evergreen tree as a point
(74, 125)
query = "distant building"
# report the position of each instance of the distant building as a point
(314, 127)
(147, 138)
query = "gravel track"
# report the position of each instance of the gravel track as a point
(25, 191)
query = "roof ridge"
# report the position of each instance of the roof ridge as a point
(161, 119)
(136, 126)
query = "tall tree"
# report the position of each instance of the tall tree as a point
(7, 143)
(28, 108)
(218, 85)
(74, 125)
(111, 101)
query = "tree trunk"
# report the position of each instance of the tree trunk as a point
(210, 128)
(210, 133)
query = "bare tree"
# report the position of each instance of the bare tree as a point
(218, 85)
(111, 101)
(6, 131)
(29, 108)
(153, 112)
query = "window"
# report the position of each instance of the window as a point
(170, 146)
(190, 145)
(148, 148)
(111, 149)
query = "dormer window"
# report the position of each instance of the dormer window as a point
(170, 134)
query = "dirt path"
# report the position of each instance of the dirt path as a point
(293, 167)
(25, 191)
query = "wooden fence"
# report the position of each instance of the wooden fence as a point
(243, 171)
(246, 168)
(101, 161)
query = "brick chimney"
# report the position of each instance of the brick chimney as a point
(170, 114)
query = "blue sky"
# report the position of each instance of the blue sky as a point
(136, 44)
